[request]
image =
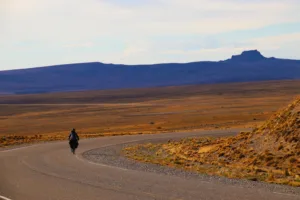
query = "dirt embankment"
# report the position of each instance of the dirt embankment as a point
(270, 153)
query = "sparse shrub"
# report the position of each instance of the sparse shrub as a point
(241, 156)
(269, 158)
(293, 160)
(280, 147)
(270, 163)
(252, 179)
(286, 172)
(260, 170)
(271, 176)
(178, 162)
(221, 154)
(294, 139)
(295, 183)
(261, 157)
(287, 155)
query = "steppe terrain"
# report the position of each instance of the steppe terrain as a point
(39, 117)
(271, 152)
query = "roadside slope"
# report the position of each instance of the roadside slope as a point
(269, 153)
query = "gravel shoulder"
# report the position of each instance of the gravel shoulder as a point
(111, 155)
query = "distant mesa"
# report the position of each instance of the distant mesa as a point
(248, 66)
(248, 56)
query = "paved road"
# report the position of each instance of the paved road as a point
(50, 171)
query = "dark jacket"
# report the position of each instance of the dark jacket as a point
(73, 136)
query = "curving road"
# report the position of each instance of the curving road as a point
(50, 171)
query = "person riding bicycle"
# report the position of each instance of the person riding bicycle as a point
(73, 140)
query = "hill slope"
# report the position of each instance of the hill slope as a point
(249, 66)
(272, 149)
(269, 153)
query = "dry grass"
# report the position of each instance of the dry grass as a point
(271, 152)
(31, 118)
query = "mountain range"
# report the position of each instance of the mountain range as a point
(246, 67)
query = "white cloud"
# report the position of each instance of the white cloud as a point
(277, 40)
(93, 18)
(79, 24)
(78, 45)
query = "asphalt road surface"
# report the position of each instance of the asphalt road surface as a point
(50, 172)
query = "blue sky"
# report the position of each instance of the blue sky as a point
(43, 32)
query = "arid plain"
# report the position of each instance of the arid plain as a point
(39, 117)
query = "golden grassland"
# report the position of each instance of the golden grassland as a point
(270, 153)
(44, 117)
